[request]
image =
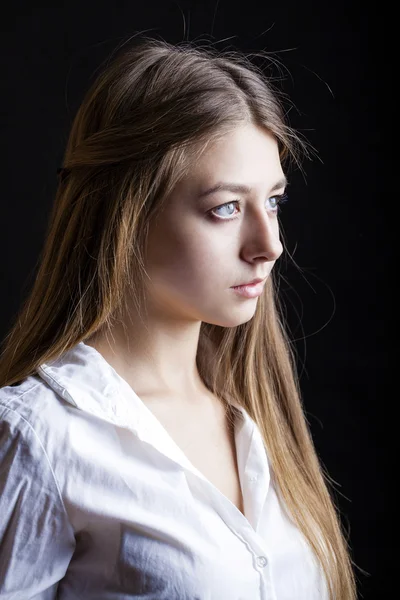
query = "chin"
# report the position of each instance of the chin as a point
(233, 320)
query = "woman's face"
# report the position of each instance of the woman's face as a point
(196, 252)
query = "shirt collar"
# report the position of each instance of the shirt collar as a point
(84, 379)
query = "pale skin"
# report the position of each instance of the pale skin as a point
(193, 260)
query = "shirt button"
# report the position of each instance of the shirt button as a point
(253, 478)
(261, 561)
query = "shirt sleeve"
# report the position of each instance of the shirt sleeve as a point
(36, 538)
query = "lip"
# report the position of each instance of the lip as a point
(253, 281)
(251, 290)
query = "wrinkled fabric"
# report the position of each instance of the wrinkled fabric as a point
(97, 501)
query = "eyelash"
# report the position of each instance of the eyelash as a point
(281, 199)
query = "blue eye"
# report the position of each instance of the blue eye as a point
(275, 202)
(227, 205)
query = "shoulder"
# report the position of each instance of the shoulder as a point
(33, 428)
(33, 406)
(34, 526)
(29, 418)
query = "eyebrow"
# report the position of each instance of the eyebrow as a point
(238, 188)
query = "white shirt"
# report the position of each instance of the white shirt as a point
(99, 503)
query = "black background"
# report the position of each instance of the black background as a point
(337, 74)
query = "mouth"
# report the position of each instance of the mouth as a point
(251, 290)
(252, 282)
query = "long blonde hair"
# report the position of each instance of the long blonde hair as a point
(147, 117)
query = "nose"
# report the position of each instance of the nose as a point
(263, 238)
(275, 249)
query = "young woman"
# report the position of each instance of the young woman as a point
(153, 441)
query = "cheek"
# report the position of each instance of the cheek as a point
(189, 256)
(180, 259)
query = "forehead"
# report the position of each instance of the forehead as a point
(247, 155)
